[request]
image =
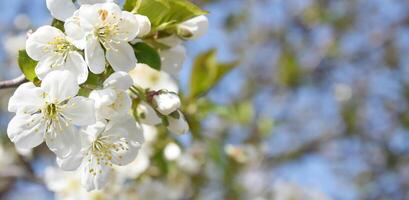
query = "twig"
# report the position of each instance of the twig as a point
(13, 82)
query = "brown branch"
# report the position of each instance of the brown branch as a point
(13, 82)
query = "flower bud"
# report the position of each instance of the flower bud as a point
(166, 102)
(147, 114)
(193, 28)
(178, 125)
(144, 25)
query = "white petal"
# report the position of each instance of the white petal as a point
(122, 105)
(80, 111)
(148, 78)
(60, 85)
(26, 98)
(82, 2)
(128, 28)
(93, 131)
(45, 65)
(172, 59)
(61, 9)
(75, 63)
(94, 176)
(119, 80)
(90, 14)
(64, 143)
(94, 55)
(144, 25)
(147, 114)
(37, 44)
(195, 27)
(70, 163)
(171, 41)
(121, 57)
(178, 126)
(103, 97)
(26, 131)
(74, 31)
(128, 134)
(167, 102)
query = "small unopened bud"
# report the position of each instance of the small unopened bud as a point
(166, 102)
(144, 25)
(147, 115)
(178, 125)
(193, 28)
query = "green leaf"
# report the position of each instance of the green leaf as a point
(129, 5)
(27, 65)
(58, 24)
(166, 13)
(147, 55)
(207, 72)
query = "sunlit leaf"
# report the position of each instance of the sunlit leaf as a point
(27, 65)
(165, 13)
(147, 55)
(207, 72)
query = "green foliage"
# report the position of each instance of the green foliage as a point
(58, 24)
(165, 13)
(207, 72)
(27, 66)
(289, 72)
(147, 55)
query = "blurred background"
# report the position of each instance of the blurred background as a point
(317, 107)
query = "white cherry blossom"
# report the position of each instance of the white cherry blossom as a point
(104, 31)
(63, 9)
(49, 113)
(105, 144)
(55, 51)
(113, 101)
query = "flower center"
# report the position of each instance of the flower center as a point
(61, 45)
(101, 152)
(50, 111)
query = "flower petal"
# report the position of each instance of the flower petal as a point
(80, 111)
(178, 126)
(103, 97)
(172, 59)
(65, 142)
(60, 86)
(94, 176)
(70, 163)
(128, 28)
(27, 98)
(195, 27)
(121, 57)
(75, 63)
(94, 55)
(148, 78)
(147, 114)
(75, 31)
(127, 134)
(45, 65)
(119, 80)
(144, 25)
(61, 9)
(37, 45)
(26, 131)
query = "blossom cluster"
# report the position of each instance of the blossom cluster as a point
(97, 130)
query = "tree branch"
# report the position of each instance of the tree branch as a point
(13, 82)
